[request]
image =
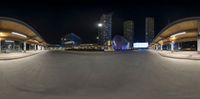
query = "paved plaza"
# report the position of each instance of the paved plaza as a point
(17, 55)
(192, 55)
(119, 75)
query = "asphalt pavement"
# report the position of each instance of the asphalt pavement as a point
(99, 75)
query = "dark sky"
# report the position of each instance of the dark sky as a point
(54, 19)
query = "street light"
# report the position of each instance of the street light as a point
(97, 37)
(178, 34)
(19, 34)
(100, 24)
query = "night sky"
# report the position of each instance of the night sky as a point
(54, 19)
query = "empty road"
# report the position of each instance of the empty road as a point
(101, 75)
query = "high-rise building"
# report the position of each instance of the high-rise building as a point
(129, 32)
(149, 29)
(105, 29)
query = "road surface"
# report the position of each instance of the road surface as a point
(121, 75)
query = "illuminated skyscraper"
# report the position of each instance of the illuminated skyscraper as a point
(105, 29)
(149, 29)
(129, 31)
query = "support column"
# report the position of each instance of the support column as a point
(156, 47)
(161, 47)
(24, 46)
(35, 47)
(178, 46)
(39, 47)
(198, 38)
(0, 45)
(172, 46)
(42, 47)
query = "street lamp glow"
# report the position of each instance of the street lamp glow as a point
(173, 38)
(36, 41)
(100, 25)
(19, 34)
(177, 34)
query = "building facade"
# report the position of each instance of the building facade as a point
(129, 32)
(149, 29)
(105, 31)
(70, 40)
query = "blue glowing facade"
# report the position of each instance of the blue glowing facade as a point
(71, 39)
(120, 43)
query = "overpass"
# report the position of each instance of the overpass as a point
(16, 35)
(182, 34)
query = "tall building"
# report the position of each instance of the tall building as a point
(105, 29)
(149, 29)
(129, 31)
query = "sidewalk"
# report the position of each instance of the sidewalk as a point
(17, 55)
(193, 55)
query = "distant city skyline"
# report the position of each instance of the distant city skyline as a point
(52, 22)
(128, 27)
(105, 28)
(149, 29)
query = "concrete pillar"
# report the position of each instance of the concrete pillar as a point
(39, 47)
(161, 47)
(172, 46)
(24, 46)
(42, 47)
(35, 47)
(156, 47)
(198, 38)
(0, 45)
(178, 44)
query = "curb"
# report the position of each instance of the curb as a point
(98, 52)
(163, 55)
(19, 57)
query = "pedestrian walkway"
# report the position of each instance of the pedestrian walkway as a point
(181, 54)
(17, 55)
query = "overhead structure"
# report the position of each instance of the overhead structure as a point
(16, 35)
(182, 34)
